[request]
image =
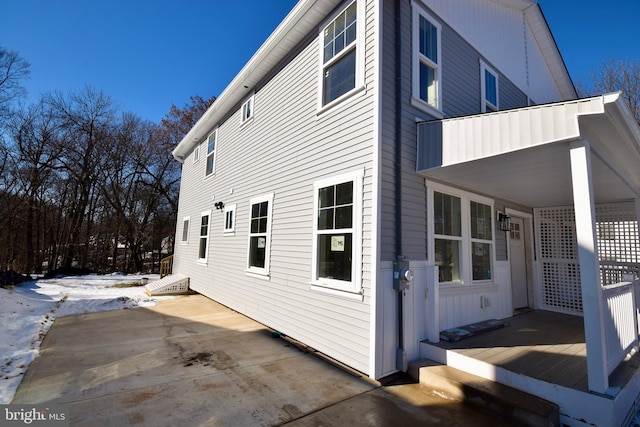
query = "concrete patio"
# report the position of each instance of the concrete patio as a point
(193, 362)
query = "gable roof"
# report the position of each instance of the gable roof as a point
(304, 18)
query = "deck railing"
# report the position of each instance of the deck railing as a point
(166, 266)
(620, 292)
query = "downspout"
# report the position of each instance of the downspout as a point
(401, 357)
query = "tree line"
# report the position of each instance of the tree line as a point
(82, 183)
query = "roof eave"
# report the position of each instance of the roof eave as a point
(303, 18)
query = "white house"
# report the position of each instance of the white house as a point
(372, 141)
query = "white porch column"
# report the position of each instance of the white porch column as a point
(594, 326)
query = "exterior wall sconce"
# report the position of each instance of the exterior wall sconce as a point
(219, 205)
(504, 222)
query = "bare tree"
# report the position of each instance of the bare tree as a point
(13, 71)
(85, 118)
(616, 75)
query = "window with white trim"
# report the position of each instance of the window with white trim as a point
(247, 110)
(339, 55)
(462, 236)
(196, 153)
(185, 230)
(211, 152)
(337, 232)
(203, 244)
(259, 234)
(229, 218)
(427, 70)
(489, 88)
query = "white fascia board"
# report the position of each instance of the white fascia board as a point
(542, 33)
(303, 18)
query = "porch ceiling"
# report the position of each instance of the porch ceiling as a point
(537, 172)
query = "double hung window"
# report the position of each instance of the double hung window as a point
(427, 70)
(203, 246)
(185, 230)
(489, 85)
(339, 55)
(259, 234)
(462, 237)
(247, 110)
(229, 218)
(337, 231)
(211, 153)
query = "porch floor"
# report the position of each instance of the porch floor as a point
(544, 345)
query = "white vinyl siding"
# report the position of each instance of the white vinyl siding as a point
(285, 150)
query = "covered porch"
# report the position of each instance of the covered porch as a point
(576, 166)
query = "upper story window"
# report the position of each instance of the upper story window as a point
(211, 153)
(427, 69)
(196, 153)
(247, 110)
(339, 55)
(489, 85)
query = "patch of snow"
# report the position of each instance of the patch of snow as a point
(28, 311)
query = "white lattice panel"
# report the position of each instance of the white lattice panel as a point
(558, 253)
(618, 251)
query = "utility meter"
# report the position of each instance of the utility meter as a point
(402, 274)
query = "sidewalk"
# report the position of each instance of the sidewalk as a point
(193, 362)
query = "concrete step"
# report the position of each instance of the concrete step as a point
(510, 404)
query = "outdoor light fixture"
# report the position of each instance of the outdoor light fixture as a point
(219, 205)
(504, 222)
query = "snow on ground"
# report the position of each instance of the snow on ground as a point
(28, 311)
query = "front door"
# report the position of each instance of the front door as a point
(519, 265)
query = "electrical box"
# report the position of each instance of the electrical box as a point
(402, 274)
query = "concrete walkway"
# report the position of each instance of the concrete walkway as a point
(193, 362)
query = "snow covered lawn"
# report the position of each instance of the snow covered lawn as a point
(28, 311)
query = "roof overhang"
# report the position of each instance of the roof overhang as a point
(303, 18)
(523, 155)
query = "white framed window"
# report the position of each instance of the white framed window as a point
(461, 241)
(196, 153)
(260, 209)
(340, 55)
(427, 68)
(185, 230)
(337, 232)
(211, 153)
(203, 242)
(229, 218)
(489, 88)
(247, 110)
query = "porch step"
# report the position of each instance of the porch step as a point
(169, 285)
(511, 404)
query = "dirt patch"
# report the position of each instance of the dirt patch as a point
(218, 359)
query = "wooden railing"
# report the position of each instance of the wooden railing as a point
(166, 266)
(621, 324)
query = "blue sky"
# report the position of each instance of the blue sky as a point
(149, 54)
